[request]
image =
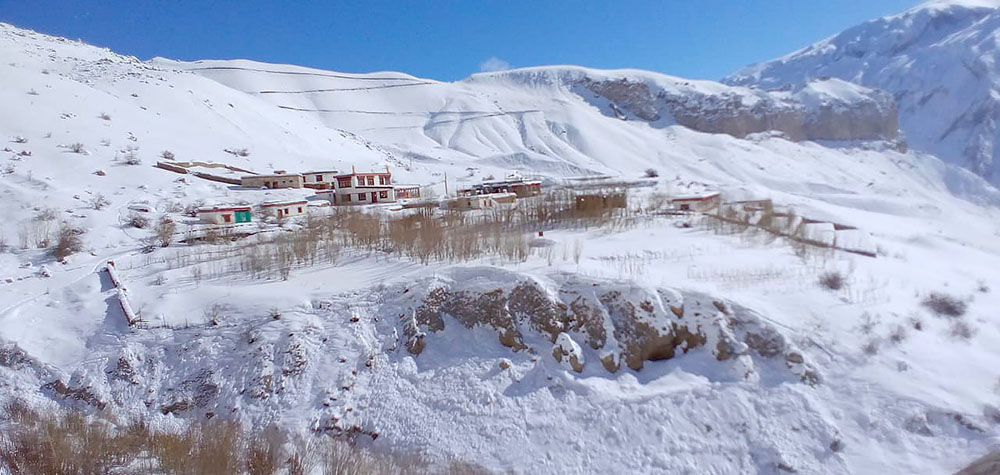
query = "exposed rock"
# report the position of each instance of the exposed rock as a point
(624, 323)
(826, 109)
(83, 394)
(610, 362)
(566, 351)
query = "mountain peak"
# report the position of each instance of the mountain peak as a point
(940, 60)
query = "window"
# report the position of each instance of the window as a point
(300, 209)
(383, 194)
(319, 177)
(361, 196)
(343, 182)
(371, 181)
(227, 218)
(381, 180)
(347, 198)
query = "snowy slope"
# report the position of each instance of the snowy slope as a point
(939, 60)
(326, 350)
(541, 119)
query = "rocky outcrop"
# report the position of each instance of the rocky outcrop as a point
(614, 323)
(827, 109)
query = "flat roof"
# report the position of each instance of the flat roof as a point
(279, 175)
(696, 197)
(364, 173)
(269, 204)
(210, 209)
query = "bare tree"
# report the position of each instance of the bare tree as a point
(164, 230)
(68, 242)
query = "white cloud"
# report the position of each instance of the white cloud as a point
(493, 64)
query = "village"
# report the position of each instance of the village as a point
(333, 188)
(324, 190)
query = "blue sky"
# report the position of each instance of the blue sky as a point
(450, 39)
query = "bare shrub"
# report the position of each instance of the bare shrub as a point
(191, 209)
(238, 152)
(76, 147)
(45, 214)
(213, 314)
(99, 202)
(37, 233)
(68, 242)
(871, 347)
(19, 139)
(961, 329)
(104, 116)
(832, 280)
(131, 157)
(32, 92)
(651, 173)
(944, 304)
(137, 220)
(167, 155)
(898, 334)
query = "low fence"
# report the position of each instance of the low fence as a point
(130, 315)
(180, 168)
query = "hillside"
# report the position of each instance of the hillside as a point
(938, 60)
(542, 119)
(639, 340)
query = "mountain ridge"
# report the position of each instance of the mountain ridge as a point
(940, 62)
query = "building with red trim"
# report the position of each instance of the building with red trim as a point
(513, 184)
(321, 180)
(406, 192)
(225, 214)
(285, 209)
(361, 188)
(700, 203)
(278, 180)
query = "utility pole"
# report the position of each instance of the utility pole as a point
(446, 183)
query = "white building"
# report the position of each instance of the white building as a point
(285, 209)
(225, 214)
(320, 179)
(700, 203)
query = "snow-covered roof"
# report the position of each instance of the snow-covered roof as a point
(269, 204)
(697, 197)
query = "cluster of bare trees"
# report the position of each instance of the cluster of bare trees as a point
(424, 235)
(47, 442)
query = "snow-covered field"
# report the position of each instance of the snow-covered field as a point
(863, 379)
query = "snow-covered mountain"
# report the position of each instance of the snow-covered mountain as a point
(941, 62)
(668, 346)
(535, 118)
